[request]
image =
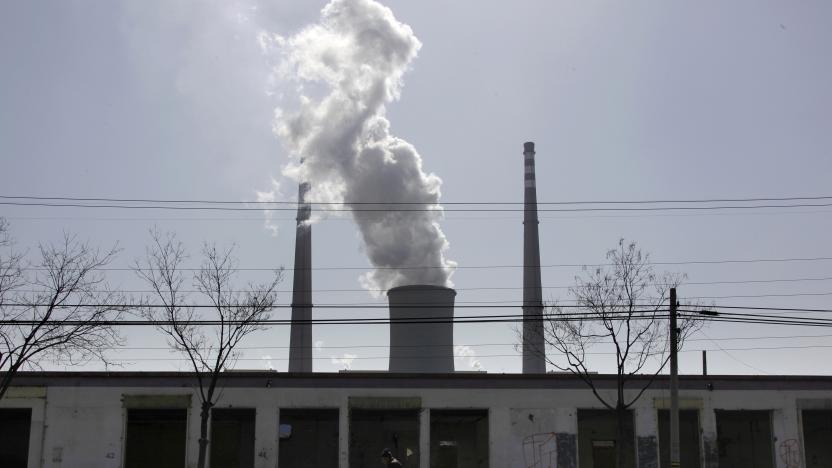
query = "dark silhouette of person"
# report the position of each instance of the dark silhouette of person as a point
(389, 460)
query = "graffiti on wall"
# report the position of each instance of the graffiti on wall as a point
(790, 453)
(540, 450)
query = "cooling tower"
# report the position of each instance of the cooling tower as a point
(421, 347)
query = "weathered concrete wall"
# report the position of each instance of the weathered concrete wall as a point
(543, 437)
(84, 426)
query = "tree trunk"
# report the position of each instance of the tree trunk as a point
(623, 440)
(203, 434)
(6, 381)
(4, 385)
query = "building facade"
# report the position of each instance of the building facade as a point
(270, 419)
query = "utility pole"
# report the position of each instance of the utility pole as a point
(674, 384)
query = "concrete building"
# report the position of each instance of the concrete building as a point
(269, 419)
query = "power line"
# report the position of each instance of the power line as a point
(795, 321)
(562, 304)
(646, 315)
(470, 345)
(782, 309)
(259, 202)
(479, 356)
(559, 303)
(498, 266)
(418, 306)
(652, 315)
(517, 288)
(516, 218)
(422, 210)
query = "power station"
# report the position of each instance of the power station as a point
(420, 409)
(421, 316)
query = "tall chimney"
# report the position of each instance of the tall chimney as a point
(300, 339)
(421, 347)
(534, 359)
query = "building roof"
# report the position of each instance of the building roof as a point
(255, 379)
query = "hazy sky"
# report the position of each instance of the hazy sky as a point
(175, 99)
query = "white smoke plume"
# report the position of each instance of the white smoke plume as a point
(344, 361)
(464, 352)
(268, 215)
(347, 68)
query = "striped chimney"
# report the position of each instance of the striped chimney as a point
(534, 359)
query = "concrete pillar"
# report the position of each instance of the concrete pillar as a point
(36, 433)
(344, 435)
(647, 437)
(424, 438)
(499, 423)
(710, 449)
(192, 444)
(785, 429)
(265, 436)
(566, 432)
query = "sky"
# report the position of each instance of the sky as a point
(639, 101)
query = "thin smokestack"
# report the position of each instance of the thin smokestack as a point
(300, 339)
(534, 360)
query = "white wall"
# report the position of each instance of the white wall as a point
(84, 426)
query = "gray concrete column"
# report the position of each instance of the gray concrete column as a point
(785, 429)
(192, 444)
(344, 435)
(266, 423)
(424, 438)
(566, 433)
(647, 437)
(499, 435)
(710, 449)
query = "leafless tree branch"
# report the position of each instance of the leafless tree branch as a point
(64, 314)
(239, 312)
(624, 305)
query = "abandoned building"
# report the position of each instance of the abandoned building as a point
(464, 420)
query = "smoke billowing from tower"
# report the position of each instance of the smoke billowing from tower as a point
(300, 339)
(347, 68)
(534, 361)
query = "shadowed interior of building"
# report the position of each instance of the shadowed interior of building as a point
(155, 437)
(14, 437)
(310, 438)
(817, 438)
(459, 438)
(744, 439)
(597, 439)
(371, 431)
(232, 437)
(688, 437)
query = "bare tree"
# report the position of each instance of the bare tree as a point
(623, 304)
(66, 312)
(234, 314)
